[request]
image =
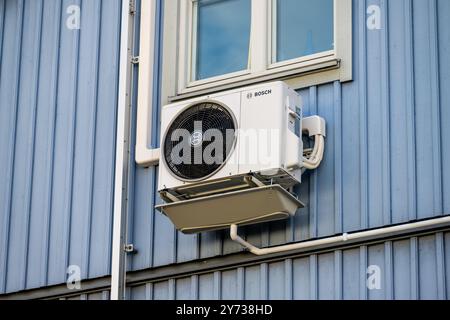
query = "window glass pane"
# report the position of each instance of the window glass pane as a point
(304, 27)
(223, 37)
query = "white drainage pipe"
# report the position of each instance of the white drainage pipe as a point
(341, 239)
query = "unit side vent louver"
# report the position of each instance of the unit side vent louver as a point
(195, 122)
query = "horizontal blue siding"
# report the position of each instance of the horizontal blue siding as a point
(414, 268)
(386, 146)
(58, 100)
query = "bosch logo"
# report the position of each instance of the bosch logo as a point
(249, 95)
(196, 139)
(263, 93)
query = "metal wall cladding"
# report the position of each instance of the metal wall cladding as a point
(58, 100)
(386, 148)
(414, 268)
(99, 295)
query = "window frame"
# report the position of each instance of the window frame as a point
(179, 57)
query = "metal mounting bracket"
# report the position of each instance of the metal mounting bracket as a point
(135, 60)
(129, 248)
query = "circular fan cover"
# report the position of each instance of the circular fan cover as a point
(189, 135)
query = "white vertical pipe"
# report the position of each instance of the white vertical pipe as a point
(122, 158)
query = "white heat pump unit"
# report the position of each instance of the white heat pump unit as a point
(230, 158)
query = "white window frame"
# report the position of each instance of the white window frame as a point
(178, 53)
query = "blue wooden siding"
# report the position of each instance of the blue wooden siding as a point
(386, 148)
(58, 100)
(409, 269)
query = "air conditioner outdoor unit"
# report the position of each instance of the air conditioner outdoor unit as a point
(230, 158)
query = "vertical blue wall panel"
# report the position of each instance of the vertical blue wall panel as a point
(12, 24)
(24, 145)
(402, 279)
(251, 282)
(400, 109)
(105, 139)
(444, 98)
(428, 155)
(350, 274)
(58, 100)
(45, 114)
(183, 289)
(206, 286)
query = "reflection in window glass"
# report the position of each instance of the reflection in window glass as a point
(304, 27)
(223, 37)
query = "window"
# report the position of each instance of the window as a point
(212, 45)
(222, 37)
(302, 28)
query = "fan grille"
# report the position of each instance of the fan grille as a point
(190, 132)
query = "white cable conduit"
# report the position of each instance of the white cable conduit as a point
(342, 239)
(313, 162)
(145, 156)
(316, 127)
